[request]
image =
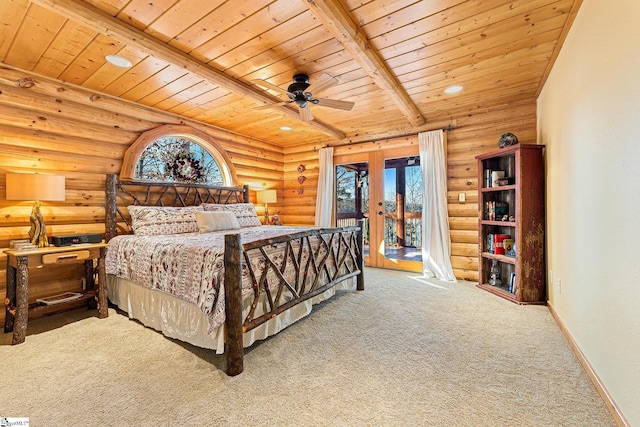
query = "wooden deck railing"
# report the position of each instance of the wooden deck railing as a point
(412, 226)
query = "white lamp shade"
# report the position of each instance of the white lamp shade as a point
(267, 196)
(33, 186)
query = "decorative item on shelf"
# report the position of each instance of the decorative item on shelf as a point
(490, 243)
(507, 244)
(266, 197)
(498, 245)
(495, 211)
(494, 274)
(507, 139)
(512, 252)
(185, 168)
(501, 208)
(495, 177)
(36, 187)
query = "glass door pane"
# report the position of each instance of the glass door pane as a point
(403, 209)
(352, 197)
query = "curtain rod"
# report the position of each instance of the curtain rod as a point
(444, 125)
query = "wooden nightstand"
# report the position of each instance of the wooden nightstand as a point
(18, 264)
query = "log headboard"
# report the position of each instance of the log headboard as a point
(149, 193)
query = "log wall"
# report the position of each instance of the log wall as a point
(474, 134)
(50, 127)
(47, 126)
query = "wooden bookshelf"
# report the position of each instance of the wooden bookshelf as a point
(521, 217)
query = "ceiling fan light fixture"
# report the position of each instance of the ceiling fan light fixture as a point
(300, 92)
(118, 61)
(453, 89)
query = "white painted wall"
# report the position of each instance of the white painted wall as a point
(589, 119)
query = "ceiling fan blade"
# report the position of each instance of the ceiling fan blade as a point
(323, 82)
(266, 85)
(334, 103)
(264, 107)
(305, 113)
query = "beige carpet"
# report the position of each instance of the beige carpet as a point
(405, 352)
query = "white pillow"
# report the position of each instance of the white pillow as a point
(216, 221)
(245, 212)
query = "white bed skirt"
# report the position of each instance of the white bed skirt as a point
(184, 321)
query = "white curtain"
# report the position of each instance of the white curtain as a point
(324, 199)
(436, 242)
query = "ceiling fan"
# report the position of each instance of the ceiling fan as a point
(301, 92)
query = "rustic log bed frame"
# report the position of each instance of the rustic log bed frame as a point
(342, 246)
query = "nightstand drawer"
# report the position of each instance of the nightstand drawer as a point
(65, 256)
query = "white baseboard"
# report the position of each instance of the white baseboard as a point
(602, 390)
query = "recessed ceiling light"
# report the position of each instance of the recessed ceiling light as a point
(285, 128)
(453, 89)
(119, 61)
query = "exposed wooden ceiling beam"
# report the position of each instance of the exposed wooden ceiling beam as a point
(335, 18)
(94, 18)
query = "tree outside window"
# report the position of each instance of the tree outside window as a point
(178, 159)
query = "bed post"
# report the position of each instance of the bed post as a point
(245, 193)
(360, 256)
(111, 223)
(233, 347)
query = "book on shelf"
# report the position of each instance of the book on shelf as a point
(495, 211)
(60, 298)
(512, 283)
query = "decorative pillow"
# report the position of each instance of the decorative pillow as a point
(155, 220)
(216, 221)
(245, 212)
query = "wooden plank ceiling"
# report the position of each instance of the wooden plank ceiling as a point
(199, 59)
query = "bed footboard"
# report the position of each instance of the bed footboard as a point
(316, 260)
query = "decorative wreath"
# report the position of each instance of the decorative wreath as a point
(184, 168)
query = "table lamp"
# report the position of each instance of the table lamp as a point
(36, 187)
(266, 197)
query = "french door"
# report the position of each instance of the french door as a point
(383, 187)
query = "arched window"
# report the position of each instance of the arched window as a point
(178, 158)
(177, 154)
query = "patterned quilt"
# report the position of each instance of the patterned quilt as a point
(189, 266)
